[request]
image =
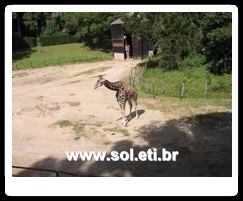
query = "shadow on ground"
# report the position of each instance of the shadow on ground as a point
(133, 115)
(204, 143)
(22, 55)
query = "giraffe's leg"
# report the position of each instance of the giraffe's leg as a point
(130, 107)
(135, 104)
(118, 101)
(122, 105)
(124, 116)
(117, 97)
(121, 99)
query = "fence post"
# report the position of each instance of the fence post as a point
(153, 91)
(134, 76)
(146, 87)
(130, 77)
(182, 89)
(206, 89)
(161, 87)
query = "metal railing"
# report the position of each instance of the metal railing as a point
(56, 172)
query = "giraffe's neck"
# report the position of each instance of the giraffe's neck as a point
(115, 86)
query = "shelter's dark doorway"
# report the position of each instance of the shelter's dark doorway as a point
(128, 53)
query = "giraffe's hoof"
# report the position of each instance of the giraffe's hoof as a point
(125, 123)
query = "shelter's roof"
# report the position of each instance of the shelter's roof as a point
(120, 21)
(117, 21)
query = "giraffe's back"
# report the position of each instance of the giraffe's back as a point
(128, 91)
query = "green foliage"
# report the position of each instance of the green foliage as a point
(50, 28)
(218, 41)
(34, 23)
(31, 41)
(56, 39)
(139, 23)
(177, 35)
(193, 61)
(92, 28)
(64, 123)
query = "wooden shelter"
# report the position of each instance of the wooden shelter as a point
(126, 46)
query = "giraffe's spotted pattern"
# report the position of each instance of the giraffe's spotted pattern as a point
(123, 93)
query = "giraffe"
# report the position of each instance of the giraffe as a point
(123, 93)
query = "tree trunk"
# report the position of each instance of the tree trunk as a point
(18, 23)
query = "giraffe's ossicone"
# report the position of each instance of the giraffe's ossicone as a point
(124, 93)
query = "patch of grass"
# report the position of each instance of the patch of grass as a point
(117, 130)
(73, 104)
(78, 128)
(64, 123)
(107, 143)
(60, 54)
(77, 138)
(98, 124)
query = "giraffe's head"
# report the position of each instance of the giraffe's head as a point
(99, 82)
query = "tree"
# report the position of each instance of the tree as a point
(35, 23)
(177, 34)
(218, 41)
(92, 28)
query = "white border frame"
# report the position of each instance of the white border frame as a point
(166, 186)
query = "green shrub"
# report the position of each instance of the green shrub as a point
(31, 41)
(56, 39)
(193, 61)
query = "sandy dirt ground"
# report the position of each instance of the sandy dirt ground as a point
(56, 109)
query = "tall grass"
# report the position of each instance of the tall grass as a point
(198, 81)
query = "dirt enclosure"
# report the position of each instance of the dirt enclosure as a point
(56, 109)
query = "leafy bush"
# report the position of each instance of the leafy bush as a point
(57, 39)
(31, 41)
(193, 61)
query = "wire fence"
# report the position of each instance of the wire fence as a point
(180, 89)
(57, 61)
